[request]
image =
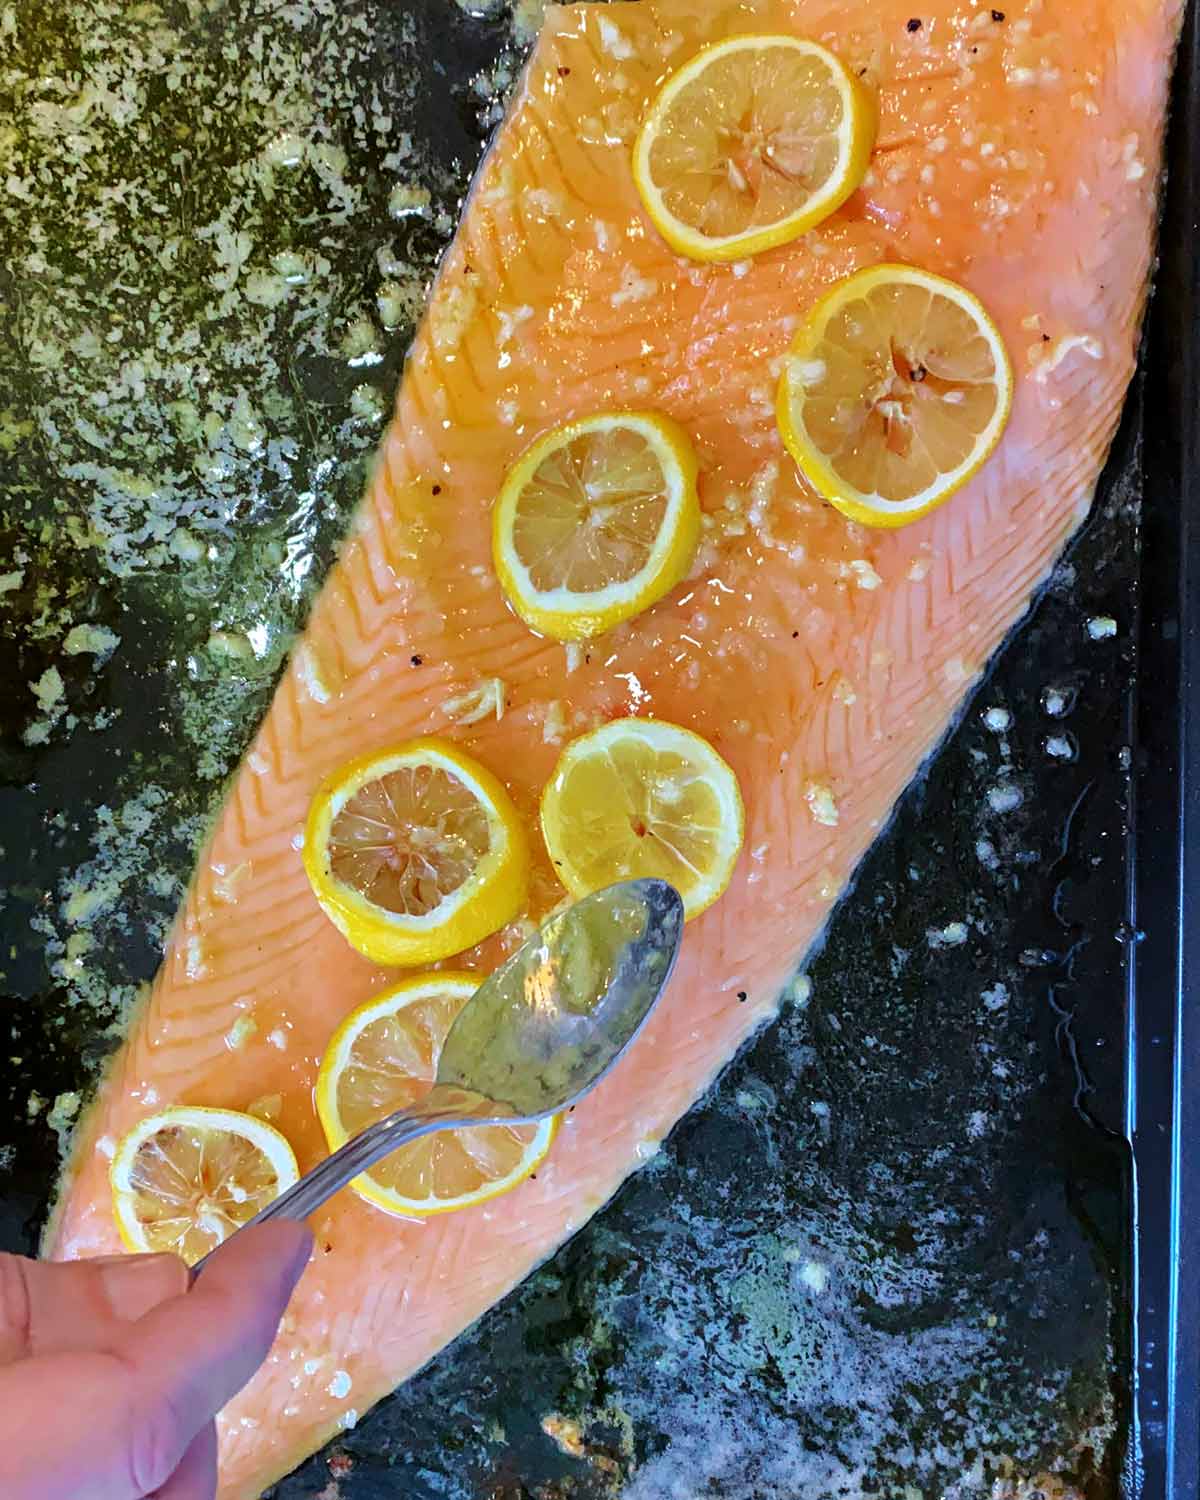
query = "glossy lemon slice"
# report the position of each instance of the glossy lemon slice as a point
(897, 388)
(184, 1179)
(384, 1057)
(639, 797)
(596, 521)
(752, 142)
(416, 853)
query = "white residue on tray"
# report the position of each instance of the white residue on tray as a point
(799, 992)
(977, 1124)
(953, 935)
(998, 720)
(1056, 702)
(996, 998)
(1005, 798)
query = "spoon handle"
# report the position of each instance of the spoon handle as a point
(359, 1154)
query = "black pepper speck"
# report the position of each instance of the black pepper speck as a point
(914, 24)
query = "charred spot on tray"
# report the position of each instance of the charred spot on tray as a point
(914, 24)
(905, 1238)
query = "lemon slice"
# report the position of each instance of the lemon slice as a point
(896, 391)
(640, 797)
(184, 1179)
(384, 1057)
(754, 141)
(416, 853)
(596, 521)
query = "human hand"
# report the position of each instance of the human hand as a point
(111, 1371)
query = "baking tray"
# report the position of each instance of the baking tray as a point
(903, 1245)
(1163, 1045)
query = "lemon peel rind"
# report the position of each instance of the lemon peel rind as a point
(560, 614)
(876, 510)
(487, 900)
(857, 138)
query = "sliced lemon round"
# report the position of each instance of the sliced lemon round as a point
(384, 1057)
(897, 388)
(596, 522)
(184, 1179)
(416, 853)
(752, 142)
(640, 797)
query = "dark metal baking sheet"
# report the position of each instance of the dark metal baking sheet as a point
(1163, 1046)
(891, 1251)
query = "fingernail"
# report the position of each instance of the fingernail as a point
(134, 1284)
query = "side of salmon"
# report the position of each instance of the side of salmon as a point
(1018, 155)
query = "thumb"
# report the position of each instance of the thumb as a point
(191, 1354)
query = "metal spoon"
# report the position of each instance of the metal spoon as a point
(536, 1035)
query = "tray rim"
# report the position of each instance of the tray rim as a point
(1163, 1010)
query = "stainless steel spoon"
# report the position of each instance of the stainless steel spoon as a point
(535, 1036)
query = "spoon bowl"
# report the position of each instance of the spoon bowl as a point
(547, 1025)
(536, 1036)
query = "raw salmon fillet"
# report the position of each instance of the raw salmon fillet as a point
(1018, 153)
